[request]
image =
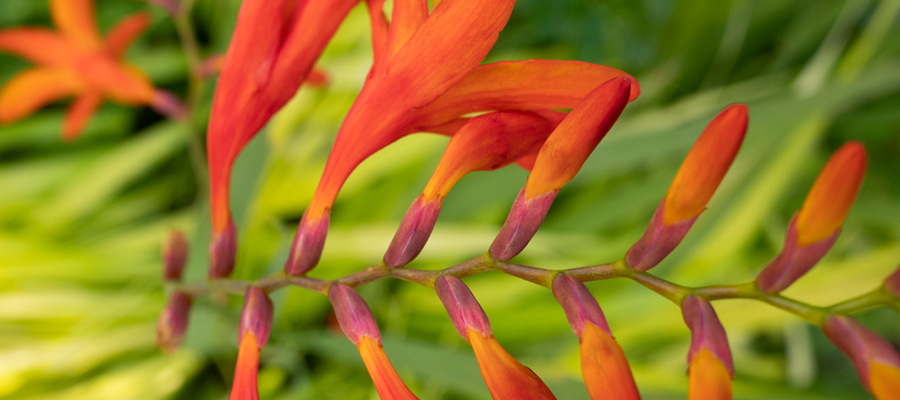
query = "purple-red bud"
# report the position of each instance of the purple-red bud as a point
(523, 221)
(658, 241)
(173, 321)
(307, 246)
(256, 317)
(222, 252)
(892, 283)
(414, 231)
(706, 330)
(794, 261)
(174, 255)
(464, 310)
(876, 360)
(353, 314)
(578, 303)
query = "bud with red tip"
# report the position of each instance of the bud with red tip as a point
(892, 283)
(253, 334)
(814, 229)
(876, 360)
(308, 243)
(174, 255)
(359, 326)
(558, 161)
(710, 368)
(222, 251)
(697, 179)
(603, 364)
(505, 377)
(173, 321)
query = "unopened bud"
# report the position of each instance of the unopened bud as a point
(353, 314)
(707, 333)
(658, 241)
(174, 255)
(578, 303)
(793, 262)
(222, 252)
(876, 360)
(256, 316)
(307, 246)
(173, 321)
(523, 221)
(414, 231)
(465, 312)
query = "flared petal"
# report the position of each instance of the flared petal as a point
(387, 382)
(708, 378)
(34, 88)
(884, 381)
(832, 195)
(604, 367)
(706, 165)
(522, 85)
(407, 17)
(244, 386)
(41, 46)
(506, 378)
(75, 20)
(123, 34)
(79, 114)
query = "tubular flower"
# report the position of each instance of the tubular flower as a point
(273, 49)
(710, 368)
(359, 326)
(603, 364)
(255, 326)
(558, 161)
(173, 321)
(505, 377)
(694, 185)
(876, 360)
(816, 226)
(424, 79)
(76, 61)
(484, 143)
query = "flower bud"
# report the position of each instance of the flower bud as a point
(604, 367)
(832, 195)
(173, 321)
(256, 316)
(174, 255)
(710, 368)
(414, 231)
(465, 312)
(523, 221)
(793, 262)
(222, 252)
(892, 283)
(308, 244)
(876, 360)
(353, 314)
(658, 240)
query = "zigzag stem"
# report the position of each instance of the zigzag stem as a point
(544, 277)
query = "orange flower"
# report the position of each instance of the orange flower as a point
(711, 368)
(244, 386)
(505, 377)
(387, 382)
(76, 61)
(254, 329)
(832, 195)
(877, 361)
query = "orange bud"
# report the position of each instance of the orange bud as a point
(709, 378)
(387, 382)
(706, 165)
(505, 377)
(604, 366)
(884, 381)
(245, 385)
(831, 196)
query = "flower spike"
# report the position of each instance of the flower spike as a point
(603, 364)
(710, 368)
(694, 185)
(815, 227)
(253, 334)
(505, 377)
(174, 255)
(877, 361)
(483, 143)
(173, 321)
(557, 162)
(359, 326)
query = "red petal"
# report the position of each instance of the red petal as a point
(407, 17)
(40, 45)
(79, 113)
(34, 88)
(125, 32)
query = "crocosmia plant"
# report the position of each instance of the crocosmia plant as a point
(426, 199)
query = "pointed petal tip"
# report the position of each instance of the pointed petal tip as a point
(832, 194)
(504, 376)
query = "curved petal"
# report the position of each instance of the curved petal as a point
(125, 32)
(75, 19)
(34, 88)
(505, 377)
(79, 113)
(387, 382)
(41, 46)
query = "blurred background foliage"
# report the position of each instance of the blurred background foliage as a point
(81, 223)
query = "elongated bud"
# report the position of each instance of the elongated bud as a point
(523, 221)
(710, 368)
(793, 262)
(465, 312)
(173, 321)
(353, 314)
(832, 195)
(256, 316)
(359, 326)
(892, 283)
(174, 255)
(658, 241)
(876, 360)
(222, 252)
(604, 367)
(414, 231)
(307, 246)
